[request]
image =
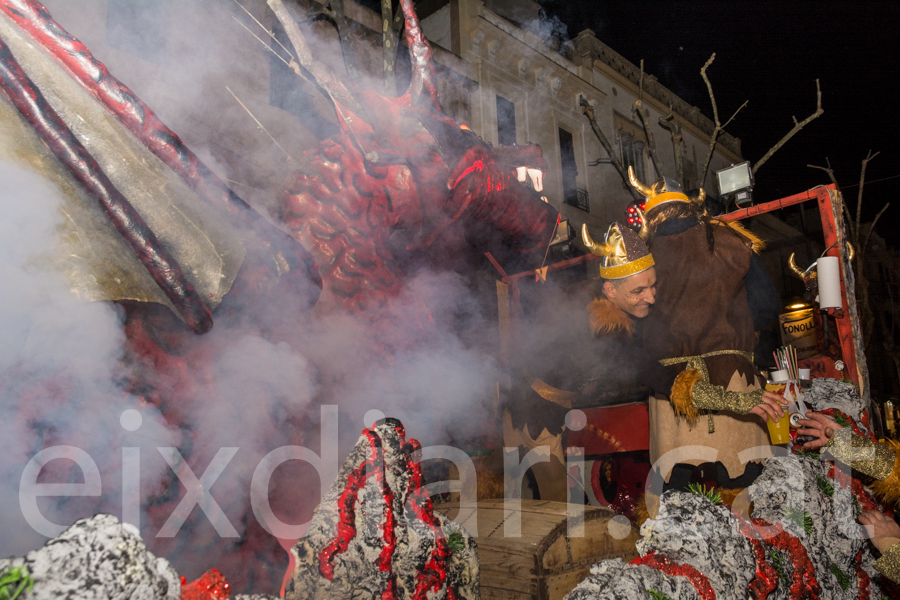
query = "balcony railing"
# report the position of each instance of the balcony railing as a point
(580, 199)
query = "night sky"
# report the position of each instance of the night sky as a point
(771, 53)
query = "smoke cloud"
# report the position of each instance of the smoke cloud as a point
(61, 370)
(68, 369)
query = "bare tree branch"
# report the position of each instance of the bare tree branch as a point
(641, 84)
(651, 142)
(862, 182)
(854, 234)
(714, 138)
(588, 111)
(671, 124)
(639, 109)
(872, 228)
(792, 132)
(735, 114)
(828, 170)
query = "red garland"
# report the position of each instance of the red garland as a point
(372, 467)
(831, 412)
(865, 499)
(862, 578)
(664, 565)
(434, 574)
(766, 579)
(211, 586)
(803, 577)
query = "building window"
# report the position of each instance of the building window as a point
(571, 194)
(632, 153)
(138, 28)
(506, 122)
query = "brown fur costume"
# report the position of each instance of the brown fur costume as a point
(701, 306)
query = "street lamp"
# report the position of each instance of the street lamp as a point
(737, 180)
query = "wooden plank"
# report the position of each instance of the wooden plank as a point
(525, 545)
(560, 584)
(556, 554)
(493, 593)
(503, 319)
(502, 580)
(543, 563)
(502, 565)
(601, 544)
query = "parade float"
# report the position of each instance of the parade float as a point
(403, 181)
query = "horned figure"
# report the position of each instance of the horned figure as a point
(403, 166)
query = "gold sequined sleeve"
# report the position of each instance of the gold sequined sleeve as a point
(889, 563)
(714, 397)
(868, 457)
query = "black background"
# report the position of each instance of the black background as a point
(771, 53)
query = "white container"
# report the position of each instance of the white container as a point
(829, 278)
(778, 376)
(804, 374)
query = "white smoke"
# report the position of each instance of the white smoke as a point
(61, 369)
(553, 32)
(66, 366)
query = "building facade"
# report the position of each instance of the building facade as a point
(251, 118)
(527, 90)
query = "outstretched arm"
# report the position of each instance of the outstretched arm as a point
(690, 394)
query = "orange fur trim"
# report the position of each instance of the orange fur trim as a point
(680, 397)
(607, 318)
(640, 512)
(756, 242)
(888, 489)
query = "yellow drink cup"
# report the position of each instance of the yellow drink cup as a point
(779, 433)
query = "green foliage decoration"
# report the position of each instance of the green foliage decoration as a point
(842, 578)
(825, 486)
(14, 581)
(710, 494)
(800, 518)
(456, 542)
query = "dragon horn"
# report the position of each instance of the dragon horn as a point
(645, 191)
(590, 244)
(797, 271)
(700, 198)
(424, 76)
(851, 251)
(644, 233)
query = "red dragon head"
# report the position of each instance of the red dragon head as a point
(405, 164)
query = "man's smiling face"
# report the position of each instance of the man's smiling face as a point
(634, 294)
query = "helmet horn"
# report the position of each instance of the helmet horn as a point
(590, 244)
(645, 191)
(797, 271)
(700, 198)
(644, 233)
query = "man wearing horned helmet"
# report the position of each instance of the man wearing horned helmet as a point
(712, 296)
(593, 368)
(627, 295)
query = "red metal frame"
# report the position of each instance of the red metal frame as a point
(833, 235)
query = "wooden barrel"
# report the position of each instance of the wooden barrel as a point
(545, 562)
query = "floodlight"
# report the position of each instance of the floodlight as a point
(736, 180)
